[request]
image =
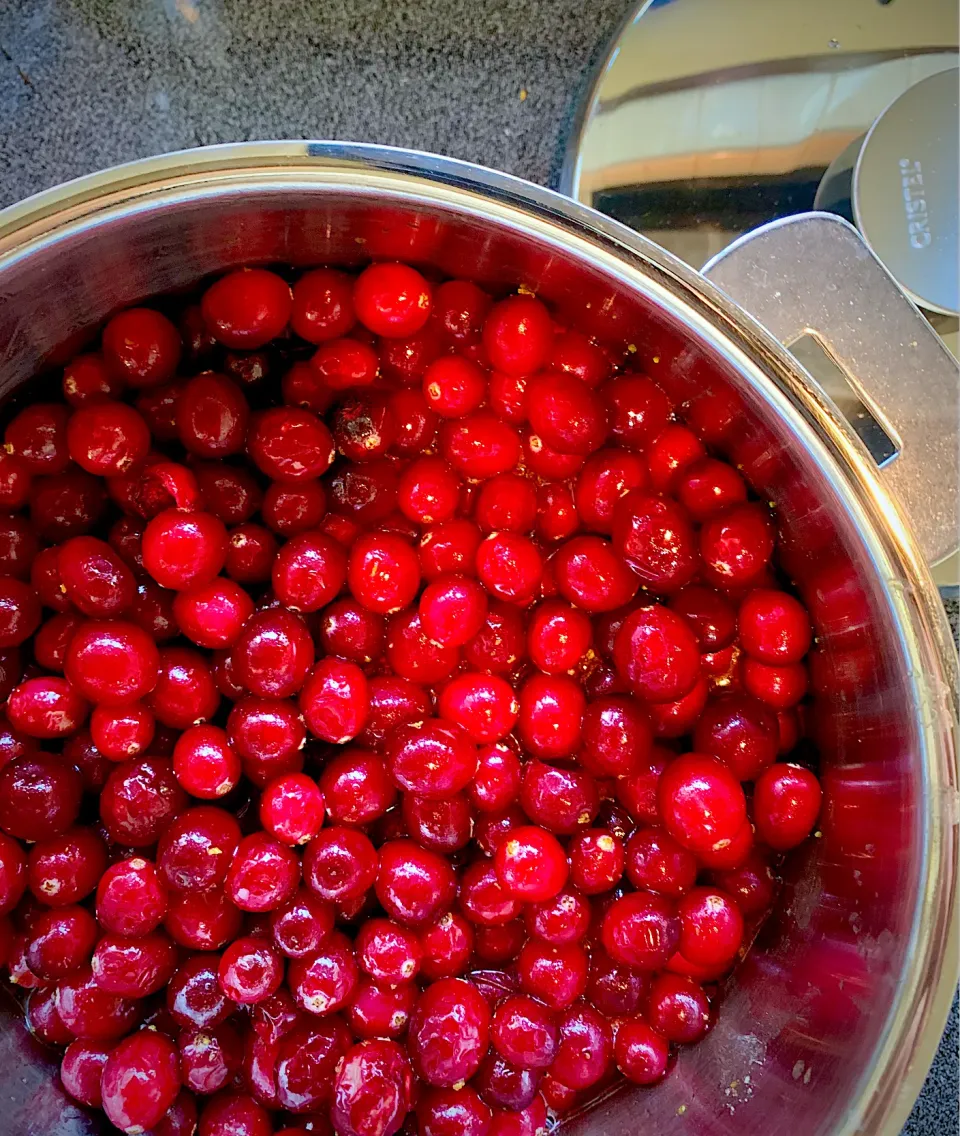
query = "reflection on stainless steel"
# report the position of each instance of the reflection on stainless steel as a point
(710, 117)
(906, 191)
(835, 1016)
(811, 274)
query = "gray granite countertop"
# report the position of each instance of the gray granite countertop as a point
(86, 84)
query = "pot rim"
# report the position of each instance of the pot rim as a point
(889, 1086)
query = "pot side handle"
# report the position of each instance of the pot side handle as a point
(813, 283)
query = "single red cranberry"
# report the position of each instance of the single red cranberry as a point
(484, 898)
(53, 638)
(518, 335)
(461, 306)
(306, 1063)
(778, 686)
(184, 550)
(454, 386)
(742, 732)
(450, 547)
(413, 884)
(131, 898)
(616, 737)
(531, 864)
(323, 982)
(497, 780)
(507, 502)
(563, 919)
(551, 715)
(711, 927)
(555, 974)
(364, 426)
(510, 567)
(289, 444)
(507, 397)
(374, 1080)
(502, 1085)
(86, 380)
(212, 615)
(292, 509)
(657, 654)
(335, 700)
(66, 505)
(701, 802)
(416, 423)
(556, 513)
(250, 554)
(322, 305)
(340, 864)
(19, 612)
(212, 416)
(81, 1070)
(139, 801)
(195, 851)
(38, 437)
(388, 952)
(441, 825)
(247, 308)
(559, 800)
(134, 968)
(95, 579)
(365, 494)
(351, 631)
(250, 970)
(274, 654)
(268, 735)
(194, 998)
(658, 863)
(392, 300)
(638, 410)
(209, 1059)
(204, 763)
(615, 990)
(301, 924)
(112, 662)
(596, 860)
(141, 347)
(585, 1051)
(65, 869)
(412, 655)
(202, 921)
(43, 1020)
(500, 944)
(566, 413)
(574, 354)
(292, 808)
(774, 627)
(480, 446)
(752, 886)
(230, 493)
(107, 438)
(383, 572)
(60, 942)
(449, 1030)
(524, 1033)
(263, 874)
(453, 1112)
(234, 1114)
(669, 456)
(641, 1052)
(39, 796)
(591, 576)
(641, 930)
(786, 804)
(140, 1081)
(186, 693)
(736, 545)
(432, 758)
(158, 407)
(500, 644)
(708, 487)
(678, 1008)
(447, 945)
(656, 539)
(89, 1012)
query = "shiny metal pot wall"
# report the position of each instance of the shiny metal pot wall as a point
(830, 1024)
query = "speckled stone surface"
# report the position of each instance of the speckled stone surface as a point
(86, 84)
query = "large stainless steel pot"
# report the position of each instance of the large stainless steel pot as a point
(830, 1024)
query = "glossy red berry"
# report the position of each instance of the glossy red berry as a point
(642, 930)
(590, 575)
(247, 308)
(107, 438)
(657, 654)
(786, 804)
(374, 1080)
(263, 874)
(131, 898)
(517, 335)
(449, 1031)
(678, 1008)
(335, 700)
(555, 974)
(708, 487)
(112, 662)
(742, 732)
(531, 864)
(141, 347)
(273, 654)
(292, 809)
(414, 885)
(701, 802)
(641, 1052)
(433, 758)
(250, 970)
(711, 927)
(484, 705)
(510, 567)
(184, 550)
(774, 627)
(141, 1080)
(322, 305)
(39, 796)
(736, 545)
(638, 410)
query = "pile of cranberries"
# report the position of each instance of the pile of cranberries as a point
(399, 702)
